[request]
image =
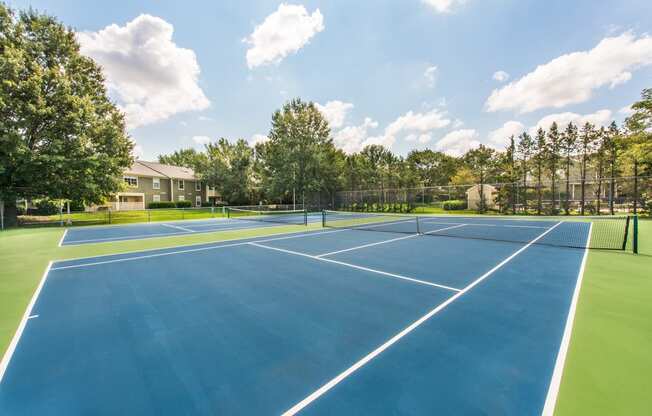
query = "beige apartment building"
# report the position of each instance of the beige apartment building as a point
(148, 182)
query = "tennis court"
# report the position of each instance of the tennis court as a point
(99, 234)
(335, 321)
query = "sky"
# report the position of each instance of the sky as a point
(406, 74)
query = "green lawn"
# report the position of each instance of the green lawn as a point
(608, 366)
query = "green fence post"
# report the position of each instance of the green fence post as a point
(323, 219)
(635, 235)
(149, 215)
(109, 215)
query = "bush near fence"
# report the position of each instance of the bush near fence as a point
(454, 205)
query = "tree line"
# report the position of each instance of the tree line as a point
(300, 163)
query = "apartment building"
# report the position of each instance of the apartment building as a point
(148, 182)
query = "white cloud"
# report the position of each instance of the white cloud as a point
(335, 112)
(412, 126)
(138, 151)
(419, 122)
(626, 110)
(430, 74)
(201, 140)
(571, 78)
(421, 138)
(599, 118)
(351, 138)
(257, 138)
(151, 77)
(458, 142)
(499, 138)
(205, 118)
(443, 6)
(283, 32)
(501, 76)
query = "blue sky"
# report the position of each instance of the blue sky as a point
(405, 74)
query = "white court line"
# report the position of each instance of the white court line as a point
(366, 245)
(192, 250)
(178, 227)
(63, 237)
(136, 237)
(21, 327)
(333, 382)
(353, 266)
(386, 241)
(555, 381)
(426, 220)
(33, 316)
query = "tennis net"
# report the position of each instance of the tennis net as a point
(606, 232)
(296, 217)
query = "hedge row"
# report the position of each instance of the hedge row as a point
(454, 205)
(169, 204)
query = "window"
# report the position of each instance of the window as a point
(211, 188)
(182, 185)
(156, 183)
(181, 197)
(198, 201)
(197, 186)
(156, 198)
(131, 181)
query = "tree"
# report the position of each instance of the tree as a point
(480, 161)
(432, 168)
(189, 158)
(539, 160)
(525, 149)
(586, 148)
(601, 148)
(569, 147)
(60, 135)
(611, 147)
(294, 159)
(228, 169)
(552, 161)
(638, 142)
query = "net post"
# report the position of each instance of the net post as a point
(228, 212)
(323, 218)
(305, 217)
(635, 234)
(418, 228)
(626, 233)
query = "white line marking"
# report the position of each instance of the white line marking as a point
(135, 237)
(178, 227)
(366, 245)
(21, 327)
(63, 237)
(384, 242)
(444, 229)
(396, 276)
(555, 381)
(74, 266)
(332, 383)
(428, 221)
(33, 316)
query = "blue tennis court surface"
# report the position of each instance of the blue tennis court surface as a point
(326, 322)
(99, 234)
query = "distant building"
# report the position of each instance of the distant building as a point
(148, 182)
(473, 197)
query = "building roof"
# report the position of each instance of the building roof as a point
(159, 170)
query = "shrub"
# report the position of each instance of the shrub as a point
(157, 205)
(45, 207)
(184, 204)
(454, 205)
